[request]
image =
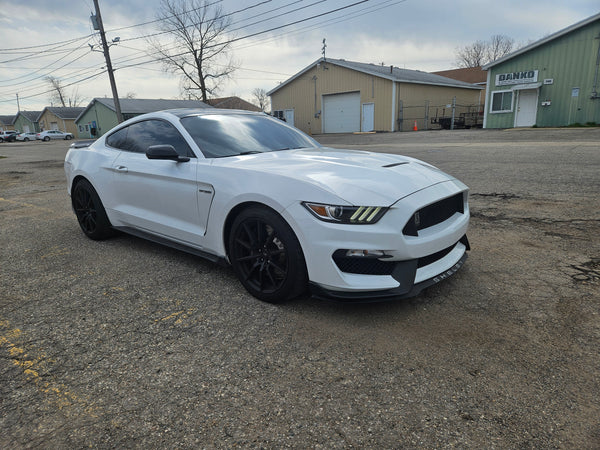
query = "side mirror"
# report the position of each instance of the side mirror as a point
(167, 152)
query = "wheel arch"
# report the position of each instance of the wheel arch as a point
(77, 179)
(233, 213)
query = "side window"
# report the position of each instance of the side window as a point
(501, 101)
(118, 139)
(142, 135)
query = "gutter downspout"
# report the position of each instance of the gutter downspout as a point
(393, 106)
(488, 93)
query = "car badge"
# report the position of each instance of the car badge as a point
(417, 219)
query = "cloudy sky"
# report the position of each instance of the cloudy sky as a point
(40, 38)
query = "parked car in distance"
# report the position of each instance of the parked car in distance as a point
(26, 137)
(289, 215)
(53, 134)
(8, 136)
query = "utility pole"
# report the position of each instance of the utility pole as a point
(18, 106)
(109, 68)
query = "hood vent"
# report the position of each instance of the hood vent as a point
(395, 164)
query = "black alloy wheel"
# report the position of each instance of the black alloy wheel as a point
(266, 256)
(90, 213)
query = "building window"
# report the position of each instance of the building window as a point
(279, 114)
(502, 101)
(81, 128)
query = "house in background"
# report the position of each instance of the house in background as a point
(552, 82)
(233, 103)
(59, 118)
(27, 121)
(100, 115)
(6, 123)
(339, 96)
(473, 75)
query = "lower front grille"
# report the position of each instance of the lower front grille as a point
(373, 266)
(362, 265)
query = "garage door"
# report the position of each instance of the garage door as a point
(341, 113)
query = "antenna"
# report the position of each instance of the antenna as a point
(323, 49)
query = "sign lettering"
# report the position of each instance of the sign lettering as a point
(526, 76)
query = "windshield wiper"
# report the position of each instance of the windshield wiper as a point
(249, 152)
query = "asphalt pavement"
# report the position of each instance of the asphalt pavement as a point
(124, 343)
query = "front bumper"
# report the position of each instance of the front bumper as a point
(405, 270)
(410, 262)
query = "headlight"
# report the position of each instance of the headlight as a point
(359, 215)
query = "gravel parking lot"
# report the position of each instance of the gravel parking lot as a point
(124, 343)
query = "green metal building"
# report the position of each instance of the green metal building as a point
(100, 115)
(552, 82)
(27, 121)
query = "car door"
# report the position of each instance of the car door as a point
(153, 195)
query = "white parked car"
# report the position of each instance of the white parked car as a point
(53, 134)
(27, 137)
(288, 214)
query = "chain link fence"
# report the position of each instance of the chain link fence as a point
(430, 116)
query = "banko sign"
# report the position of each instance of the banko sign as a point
(527, 76)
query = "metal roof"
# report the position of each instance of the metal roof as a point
(64, 112)
(475, 75)
(544, 40)
(7, 120)
(387, 72)
(140, 106)
(32, 116)
(232, 103)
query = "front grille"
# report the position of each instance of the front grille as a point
(433, 214)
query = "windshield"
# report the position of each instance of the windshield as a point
(219, 136)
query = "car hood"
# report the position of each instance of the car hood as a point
(358, 177)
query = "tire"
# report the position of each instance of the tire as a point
(90, 212)
(26, 139)
(266, 256)
(46, 139)
(68, 137)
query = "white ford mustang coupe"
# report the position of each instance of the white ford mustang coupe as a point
(288, 214)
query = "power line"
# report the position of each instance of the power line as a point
(197, 23)
(258, 33)
(128, 59)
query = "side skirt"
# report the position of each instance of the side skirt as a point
(172, 244)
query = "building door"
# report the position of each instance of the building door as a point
(368, 117)
(288, 114)
(526, 108)
(341, 113)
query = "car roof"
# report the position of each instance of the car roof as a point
(187, 112)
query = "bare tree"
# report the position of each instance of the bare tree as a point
(499, 46)
(57, 93)
(480, 53)
(60, 96)
(198, 49)
(261, 97)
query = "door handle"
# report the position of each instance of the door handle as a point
(121, 169)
